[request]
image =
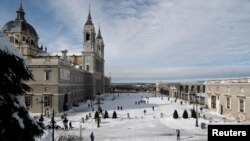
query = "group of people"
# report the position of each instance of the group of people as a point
(65, 123)
(119, 108)
(140, 102)
(90, 105)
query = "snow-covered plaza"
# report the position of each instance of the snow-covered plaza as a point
(156, 124)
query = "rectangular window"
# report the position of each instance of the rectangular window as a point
(242, 105)
(213, 101)
(47, 100)
(242, 90)
(228, 103)
(46, 75)
(27, 100)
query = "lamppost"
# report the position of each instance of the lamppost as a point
(99, 109)
(195, 101)
(42, 104)
(53, 125)
(99, 100)
(192, 97)
(196, 121)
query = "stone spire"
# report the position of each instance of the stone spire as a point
(99, 36)
(20, 12)
(89, 21)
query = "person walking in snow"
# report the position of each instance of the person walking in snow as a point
(178, 134)
(65, 122)
(70, 125)
(92, 136)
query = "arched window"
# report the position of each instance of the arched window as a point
(87, 37)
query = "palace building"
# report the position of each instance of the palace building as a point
(229, 97)
(187, 91)
(61, 80)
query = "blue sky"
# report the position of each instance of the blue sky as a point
(149, 40)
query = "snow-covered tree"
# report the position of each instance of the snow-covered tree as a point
(114, 115)
(106, 114)
(185, 114)
(175, 115)
(96, 115)
(193, 113)
(15, 122)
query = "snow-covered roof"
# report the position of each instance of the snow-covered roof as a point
(68, 54)
(57, 54)
(7, 47)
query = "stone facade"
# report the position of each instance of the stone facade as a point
(93, 55)
(230, 97)
(60, 79)
(187, 91)
(56, 85)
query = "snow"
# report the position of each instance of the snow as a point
(16, 105)
(20, 120)
(7, 47)
(140, 127)
(45, 54)
(68, 54)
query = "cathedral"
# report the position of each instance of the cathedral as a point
(61, 80)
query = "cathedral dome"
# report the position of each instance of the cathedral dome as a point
(19, 26)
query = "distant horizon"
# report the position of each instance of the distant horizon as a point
(148, 41)
(179, 81)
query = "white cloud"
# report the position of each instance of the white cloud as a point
(62, 43)
(141, 35)
(166, 39)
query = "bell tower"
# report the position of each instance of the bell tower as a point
(100, 44)
(100, 52)
(93, 57)
(89, 45)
